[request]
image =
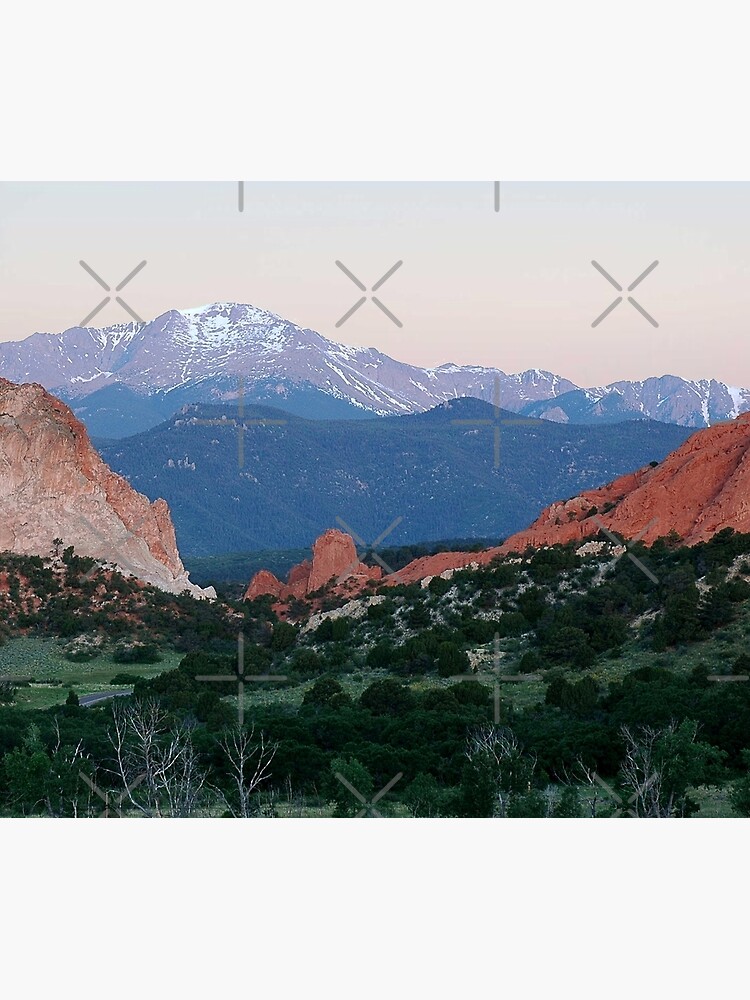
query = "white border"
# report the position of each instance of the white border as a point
(395, 91)
(350, 908)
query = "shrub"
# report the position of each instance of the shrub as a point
(125, 679)
(451, 660)
(136, 652)
(307, 662)
(529, 663)
(438, 586)
(284, 636)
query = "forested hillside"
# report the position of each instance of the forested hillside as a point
(268, 480)
(558, 683)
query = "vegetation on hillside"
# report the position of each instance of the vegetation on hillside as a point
(554, 684)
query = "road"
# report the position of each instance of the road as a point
(87, 700)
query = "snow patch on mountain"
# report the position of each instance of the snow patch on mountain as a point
(213, 349)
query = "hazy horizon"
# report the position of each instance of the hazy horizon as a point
(513, 289)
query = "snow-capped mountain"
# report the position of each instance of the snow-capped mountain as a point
(670, 399)
(130, 376)
(208, 349)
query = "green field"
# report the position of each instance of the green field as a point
(53, 675)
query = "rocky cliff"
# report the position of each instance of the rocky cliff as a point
(334, 563)
(53, 484)
(699, 489)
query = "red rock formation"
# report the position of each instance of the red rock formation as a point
(334, 556)
(264, 582)
(299, 577)
(335, 562)
(53, 484)
(699, 489)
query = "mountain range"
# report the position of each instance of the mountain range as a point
(270, 480)
(127, 378)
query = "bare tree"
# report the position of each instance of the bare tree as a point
(64, 795)
(641, 770)
(156, 761)
(581, 775)
(249, 766)
(661, 764)
(513, 769)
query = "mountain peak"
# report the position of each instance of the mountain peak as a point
(208, 350)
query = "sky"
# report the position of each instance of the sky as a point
(513, 288)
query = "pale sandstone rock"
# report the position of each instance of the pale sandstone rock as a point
(53, 484)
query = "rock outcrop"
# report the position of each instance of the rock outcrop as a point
(335, 564)
(53, 484)
(699, 489)
(264, 583)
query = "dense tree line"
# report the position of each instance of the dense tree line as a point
(423, 724)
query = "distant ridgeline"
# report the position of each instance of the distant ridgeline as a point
(269, 480)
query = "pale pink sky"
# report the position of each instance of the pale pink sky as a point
(513, 288)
